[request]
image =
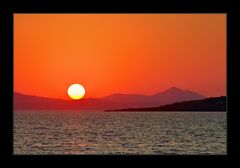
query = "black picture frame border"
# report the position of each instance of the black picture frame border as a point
(9, 7)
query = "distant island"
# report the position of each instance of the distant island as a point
(208, 104)
(113, 101)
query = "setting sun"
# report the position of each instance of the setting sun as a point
(76, 91)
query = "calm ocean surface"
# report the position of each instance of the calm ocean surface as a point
(74, 132)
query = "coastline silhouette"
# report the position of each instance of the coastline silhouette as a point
(111, 102)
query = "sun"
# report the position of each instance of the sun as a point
(76, 91)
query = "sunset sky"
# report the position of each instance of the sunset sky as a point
(119, 53)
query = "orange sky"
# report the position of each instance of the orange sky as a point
(119, 53)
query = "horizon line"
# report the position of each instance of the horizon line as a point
(19, 92)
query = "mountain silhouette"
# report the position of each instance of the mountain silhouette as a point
(114, 101)
(170, 95)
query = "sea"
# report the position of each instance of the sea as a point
(119, 133)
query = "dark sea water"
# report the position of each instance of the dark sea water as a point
(74, 132)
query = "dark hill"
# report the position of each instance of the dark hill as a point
(209, 104)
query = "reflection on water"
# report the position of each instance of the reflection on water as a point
(72, 132)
